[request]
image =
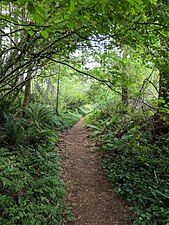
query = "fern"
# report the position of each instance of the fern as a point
(14, 129)
(41, 115)
(21, 131)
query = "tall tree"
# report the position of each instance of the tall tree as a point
(58, 91)
(27, 91)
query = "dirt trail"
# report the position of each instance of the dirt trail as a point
(88, 187)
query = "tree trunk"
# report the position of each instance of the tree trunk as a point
(27, 90)
(125, 95)
(57, 92)
(161, 117)
(124, 88)
(163, 90)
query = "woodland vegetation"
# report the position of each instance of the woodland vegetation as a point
(62, 59)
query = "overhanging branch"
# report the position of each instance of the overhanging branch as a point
(106, 82)
(79, 71)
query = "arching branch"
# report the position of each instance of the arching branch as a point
(79, 71)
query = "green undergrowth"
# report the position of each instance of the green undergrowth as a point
(136, 160)
(67, 120)
(31, 189)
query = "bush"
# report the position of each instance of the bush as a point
(9, 104)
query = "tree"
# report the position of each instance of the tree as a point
(135, 24)
(47, 29)
(58, 90)
(53, 30)
(27, 92)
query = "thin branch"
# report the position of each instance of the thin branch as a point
(153, 23)
(7, 50)
(152, 93)
(12, 32)
(17, 68)
(141, 89)
(24, 25)
(105, 82)
(19, 85)
(153, 85)
(108, 83)
(65, 35)
(79, 71)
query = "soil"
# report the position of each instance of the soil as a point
(88, 187)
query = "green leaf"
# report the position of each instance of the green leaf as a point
(45, 33)
(31, 8)
(26, 27)
(31, 33)
(58, 20)
(104, 3)
(137, 18)
(40, 10)
(35, 14)
(38, 18)
(5, 2)
(72, 5)
(135, 2)
(22, 2)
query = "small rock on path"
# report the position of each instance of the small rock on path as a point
(88, 187)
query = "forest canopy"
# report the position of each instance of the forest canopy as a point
(33, 33)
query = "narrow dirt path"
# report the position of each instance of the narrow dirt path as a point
(88, 187)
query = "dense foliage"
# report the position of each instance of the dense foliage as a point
(67, 56)
(32, 191)
(135, 158)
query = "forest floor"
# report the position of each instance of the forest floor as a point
(88, 187)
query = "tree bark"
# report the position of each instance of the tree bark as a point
(57, 92)
(161, 117)
(125, 95)
(27, 92)
(163, 89)
(124, 88)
